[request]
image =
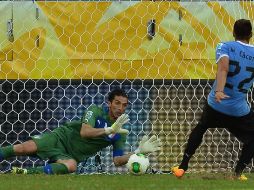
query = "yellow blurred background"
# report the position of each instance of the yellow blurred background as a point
(108, 40)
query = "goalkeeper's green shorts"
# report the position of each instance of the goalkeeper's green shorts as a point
(50, 147)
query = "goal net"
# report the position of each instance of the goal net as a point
(59, 57)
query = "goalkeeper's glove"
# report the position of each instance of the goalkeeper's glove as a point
(149, 145)
(117, 126)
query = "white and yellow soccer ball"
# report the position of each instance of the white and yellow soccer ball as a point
(138, 164)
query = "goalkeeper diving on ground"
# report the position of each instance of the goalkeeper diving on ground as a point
(76, 141)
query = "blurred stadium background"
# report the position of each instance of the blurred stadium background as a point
(59, 57)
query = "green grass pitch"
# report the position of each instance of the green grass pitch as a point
(123, 182)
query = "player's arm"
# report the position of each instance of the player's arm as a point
(221, 77)
(146, 145)
(87, 131)
(88, 122)
(121, 160)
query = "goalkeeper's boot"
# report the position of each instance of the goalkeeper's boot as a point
(177, 171)
(16, 170)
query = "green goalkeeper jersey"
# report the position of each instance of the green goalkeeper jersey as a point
(81, 148)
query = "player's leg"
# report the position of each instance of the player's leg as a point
(59, 167)
(208, 120)
(70, 165)
(49, 146)
(26, 148)
(245, 157)
(29, 147)
(196, 136)
(243, 130)
(193, 143)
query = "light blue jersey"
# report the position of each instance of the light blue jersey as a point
(239, 79)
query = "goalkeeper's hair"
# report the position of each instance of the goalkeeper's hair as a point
(116, 92)
(242, 29)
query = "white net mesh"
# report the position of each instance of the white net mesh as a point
(57, 58)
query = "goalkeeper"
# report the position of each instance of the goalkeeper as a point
(227, 106)
(74, 142)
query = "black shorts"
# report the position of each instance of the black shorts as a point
(241, 127)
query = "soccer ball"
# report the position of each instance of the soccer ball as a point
(138, 164)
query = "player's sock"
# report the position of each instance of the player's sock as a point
(239, 168)
(194, 141)
(6, 152)
(54, 168)
(185, 162)
(245, 158)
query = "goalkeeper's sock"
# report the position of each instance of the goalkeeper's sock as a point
(185, 162)
(6, 152)
(54, 168)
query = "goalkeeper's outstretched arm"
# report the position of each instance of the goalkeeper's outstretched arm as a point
(146, 145)
(149, 145)
(122, 160)
(87, 131)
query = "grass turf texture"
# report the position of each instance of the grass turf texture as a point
(123, 182)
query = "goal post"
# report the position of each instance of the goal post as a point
(59, 57)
